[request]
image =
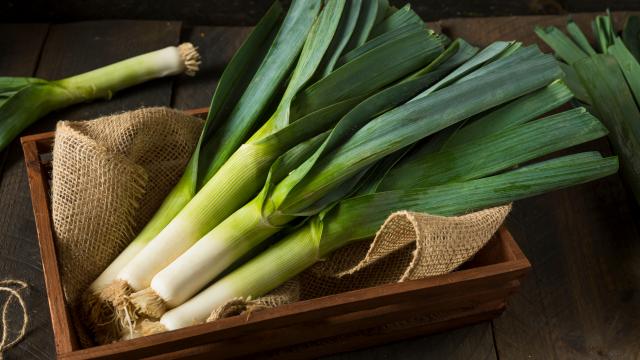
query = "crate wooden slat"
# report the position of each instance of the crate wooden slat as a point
(477, 291)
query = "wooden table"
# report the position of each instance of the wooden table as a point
(582, 299)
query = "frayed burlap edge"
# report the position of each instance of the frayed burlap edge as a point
(408, 246)
(284, 294)
(441, 243)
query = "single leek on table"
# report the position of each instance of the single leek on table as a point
(24, 100)
(607, 81)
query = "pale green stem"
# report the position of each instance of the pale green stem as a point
(263, 273)
(232, 186)
(103, 82)
(212, 254)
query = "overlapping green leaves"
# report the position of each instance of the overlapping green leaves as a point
(608, 81)
(356, 144)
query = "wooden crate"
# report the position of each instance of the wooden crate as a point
(476, 292)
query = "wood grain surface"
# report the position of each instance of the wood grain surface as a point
(19, 255)
(582, 300)
(248, 12)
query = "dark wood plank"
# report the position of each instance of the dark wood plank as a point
(20, 44)
(248, 12)
(401, 330)
(472, 342)
(582, 298)
(216, 46)
(20, 257)
(69, 49)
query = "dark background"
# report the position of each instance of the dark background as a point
(247, 12)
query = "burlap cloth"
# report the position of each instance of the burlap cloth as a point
(408, 246)
(109, 176)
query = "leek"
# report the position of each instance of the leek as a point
(302, 113)
(371, 12)
(25, 100)
(455, 162)
(399, 18)
(333, 171)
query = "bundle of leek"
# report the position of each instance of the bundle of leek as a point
(607, 81)
(369, 133)
(298, 126)
(447, 175)
(23, 100)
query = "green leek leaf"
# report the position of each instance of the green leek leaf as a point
(397, 20)
(486, 155)
(631, 35)
(370, 211)
(313, 51)
(578, 36)
(341, 38)
(370, 71)
(629, 66)
(260, 91)
(517, 112)
(486, 55)
(369, 12)
(403, 126)
(565, 49)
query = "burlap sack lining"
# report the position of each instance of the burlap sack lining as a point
(408, 246)
(109, 176)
